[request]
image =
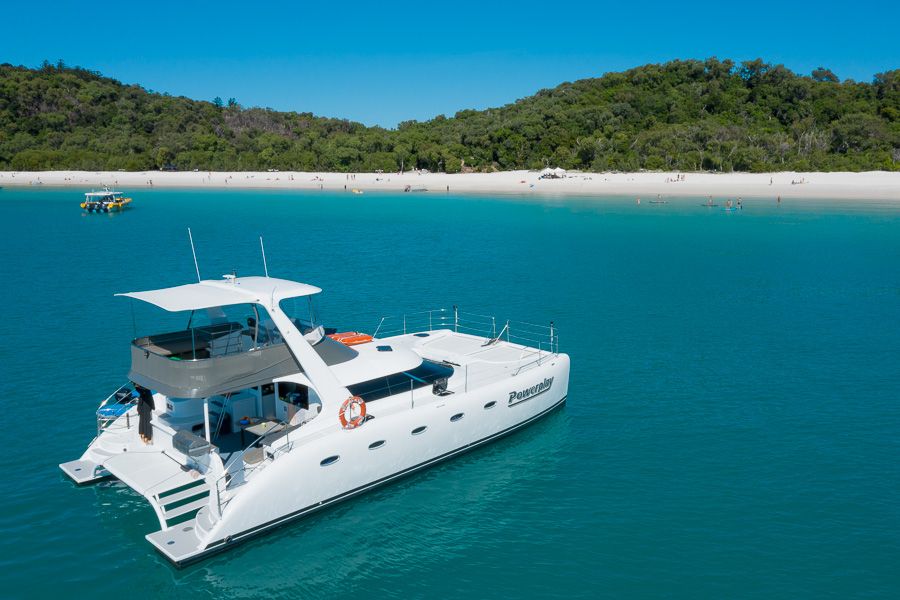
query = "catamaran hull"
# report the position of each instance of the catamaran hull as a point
(299, 475)
(231, 541)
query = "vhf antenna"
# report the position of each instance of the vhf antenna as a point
(194, 252)
(263, 248)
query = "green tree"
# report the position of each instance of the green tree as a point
(823, 74)
(709, 114)
(164, 156)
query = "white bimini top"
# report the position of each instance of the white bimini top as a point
(211, 293)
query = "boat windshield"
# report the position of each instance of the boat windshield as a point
(303, 312)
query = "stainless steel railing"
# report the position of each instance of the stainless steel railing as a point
(542, 337)
(105, 421)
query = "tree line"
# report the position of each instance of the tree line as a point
(710, 115)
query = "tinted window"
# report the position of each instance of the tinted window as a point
(456, 417)
(329, 461)
(419, 430)
(490, 404)
(382, 387)
(429, 370)
(375, 445)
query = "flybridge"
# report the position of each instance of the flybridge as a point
(516, 397)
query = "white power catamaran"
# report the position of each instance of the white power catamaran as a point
(256, 414)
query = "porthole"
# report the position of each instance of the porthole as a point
(330, 460)
(456, 417)
(490, 405)
(419, 430)
(376, 445)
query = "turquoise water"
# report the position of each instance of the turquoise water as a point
(732, 430)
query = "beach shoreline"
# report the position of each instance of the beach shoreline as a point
(873, 185)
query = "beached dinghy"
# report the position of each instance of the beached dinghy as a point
(257, 419)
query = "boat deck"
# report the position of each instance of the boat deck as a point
(474, 348)
(477, 363)
(149, 473)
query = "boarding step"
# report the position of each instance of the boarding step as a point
(176, 502)
(185, 509)
(173, 498)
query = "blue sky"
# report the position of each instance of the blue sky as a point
(382, 62)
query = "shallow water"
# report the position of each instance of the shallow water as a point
(731, 430)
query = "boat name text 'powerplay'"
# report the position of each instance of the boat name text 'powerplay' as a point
(527, 394)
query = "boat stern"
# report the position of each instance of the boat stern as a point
(84, 471)
(179, 544)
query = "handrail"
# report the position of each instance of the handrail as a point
(235, 465)
(545, 337)
(238, 456)
(105, 422)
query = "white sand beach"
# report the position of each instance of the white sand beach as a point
(875, 185)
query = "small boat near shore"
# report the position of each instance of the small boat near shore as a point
(105, 201)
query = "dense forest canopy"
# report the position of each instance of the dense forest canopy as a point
(683, 115)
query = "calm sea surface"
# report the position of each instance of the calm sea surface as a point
(732, 429)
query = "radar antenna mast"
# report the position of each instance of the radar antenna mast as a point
(194, 252)
(263, 248)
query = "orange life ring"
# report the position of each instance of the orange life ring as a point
(347, 409)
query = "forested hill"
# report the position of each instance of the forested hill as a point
(685, 115)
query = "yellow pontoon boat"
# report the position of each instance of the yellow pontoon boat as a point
(105, 201)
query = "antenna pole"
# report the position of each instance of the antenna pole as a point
(263, 248)
(194, 252)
